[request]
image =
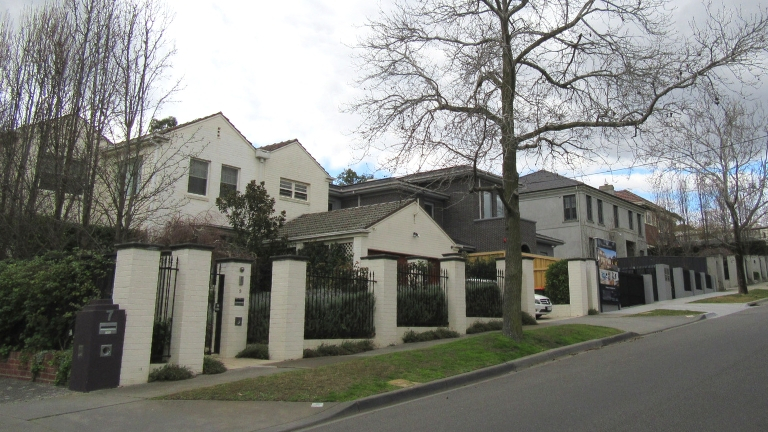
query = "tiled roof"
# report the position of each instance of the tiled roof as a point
(350, 219)
(631, 197)
(545, 180)
(279, 145)
(450, 172)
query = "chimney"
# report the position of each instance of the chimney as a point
(607, 188)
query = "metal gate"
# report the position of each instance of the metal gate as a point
(631, 289)
(164, 305)
(214, 317)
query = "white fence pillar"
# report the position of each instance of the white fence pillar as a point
(593, 294)
(286, 315)
(456, 292)
(384, 269)
(234, 305)
(677, 276)
(663, 282)
(528, 297)
(135, 291)
(190, 307)
(578, 286)
(648, 288)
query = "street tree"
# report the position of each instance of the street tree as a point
(488, 81)
(721, 141)
(350, 177)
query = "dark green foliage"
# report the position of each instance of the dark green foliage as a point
(62, 360)
(325, 258)
(556, 287)
(213, 366)
(255, 351)
(481, 268)
(41, 296)
(421, 306)
(481, 327)
(258, 317)
(170, 372)
(441, 333)
(334, 314)
(161, 337)
(592, 311)
(483, 299)
(251, 215)
(528, 319)
(346, 348)
(350, 177)
(156, 125)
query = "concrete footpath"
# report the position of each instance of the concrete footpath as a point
(131, 408)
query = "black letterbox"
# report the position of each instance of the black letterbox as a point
(98, 347)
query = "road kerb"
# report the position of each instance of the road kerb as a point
(406, 394)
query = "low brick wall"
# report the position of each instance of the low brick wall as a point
(13, 367)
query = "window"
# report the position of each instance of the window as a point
(198, 177)
(53, 173)
(600, 218)
(569, 207)
(430, 209)
(640, 224)
(292, 189)
(228, 180)
(500, 207)
(133, 176)
(616, 216)
(589, 209)
(629, 218)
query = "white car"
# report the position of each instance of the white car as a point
(543, 305)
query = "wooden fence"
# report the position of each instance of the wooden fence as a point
(540, 264)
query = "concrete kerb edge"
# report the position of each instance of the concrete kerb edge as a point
(371, 403)
(758, 302)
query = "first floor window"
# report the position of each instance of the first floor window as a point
(629, 218)
(228, 180)
(640, 224)
(292, 189)
(616, 216)
(198, 177)
(569, 207)
(600, 218)
(430, 209)
(133, 175)
(589, 208)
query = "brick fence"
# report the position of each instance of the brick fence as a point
(14, 367)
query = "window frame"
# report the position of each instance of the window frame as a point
(600, 216)
(616, 223)
(190, 176)
(230, 186)
(639, 224)
(430, 209)
(572, 209)
(631, 220)
(590, 216)
(294, 193)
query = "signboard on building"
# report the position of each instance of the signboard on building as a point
(609, 271)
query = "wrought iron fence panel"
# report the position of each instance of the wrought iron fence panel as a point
(421, 295)
(164, 305)
(339, 304)
(485, 297)
(258, 316)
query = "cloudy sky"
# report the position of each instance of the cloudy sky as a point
(280, 72)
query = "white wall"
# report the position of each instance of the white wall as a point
(395, 234)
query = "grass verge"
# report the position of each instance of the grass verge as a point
(666, 312)
(365, 377)
(755, 294)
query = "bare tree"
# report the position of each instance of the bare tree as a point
(722, 142)
(486, 81)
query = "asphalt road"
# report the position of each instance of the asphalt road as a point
(707, 376)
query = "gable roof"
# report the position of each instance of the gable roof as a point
(344, 220)
(545, 180)
(277, 146)
(637, 199)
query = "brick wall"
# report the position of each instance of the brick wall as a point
(13, 367)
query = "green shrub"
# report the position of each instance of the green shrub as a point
(255, 351)
(441, 333)
(62, 360)
(481, 268)
(483, 299)
(42, 296)
(334, 314)
(592, 311)
(213, 366)
(170, 372)
(528, 319)
(346, 348)
(481, 327)
(556, 286)
(421, 306)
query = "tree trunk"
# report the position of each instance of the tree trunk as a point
(741, 274)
